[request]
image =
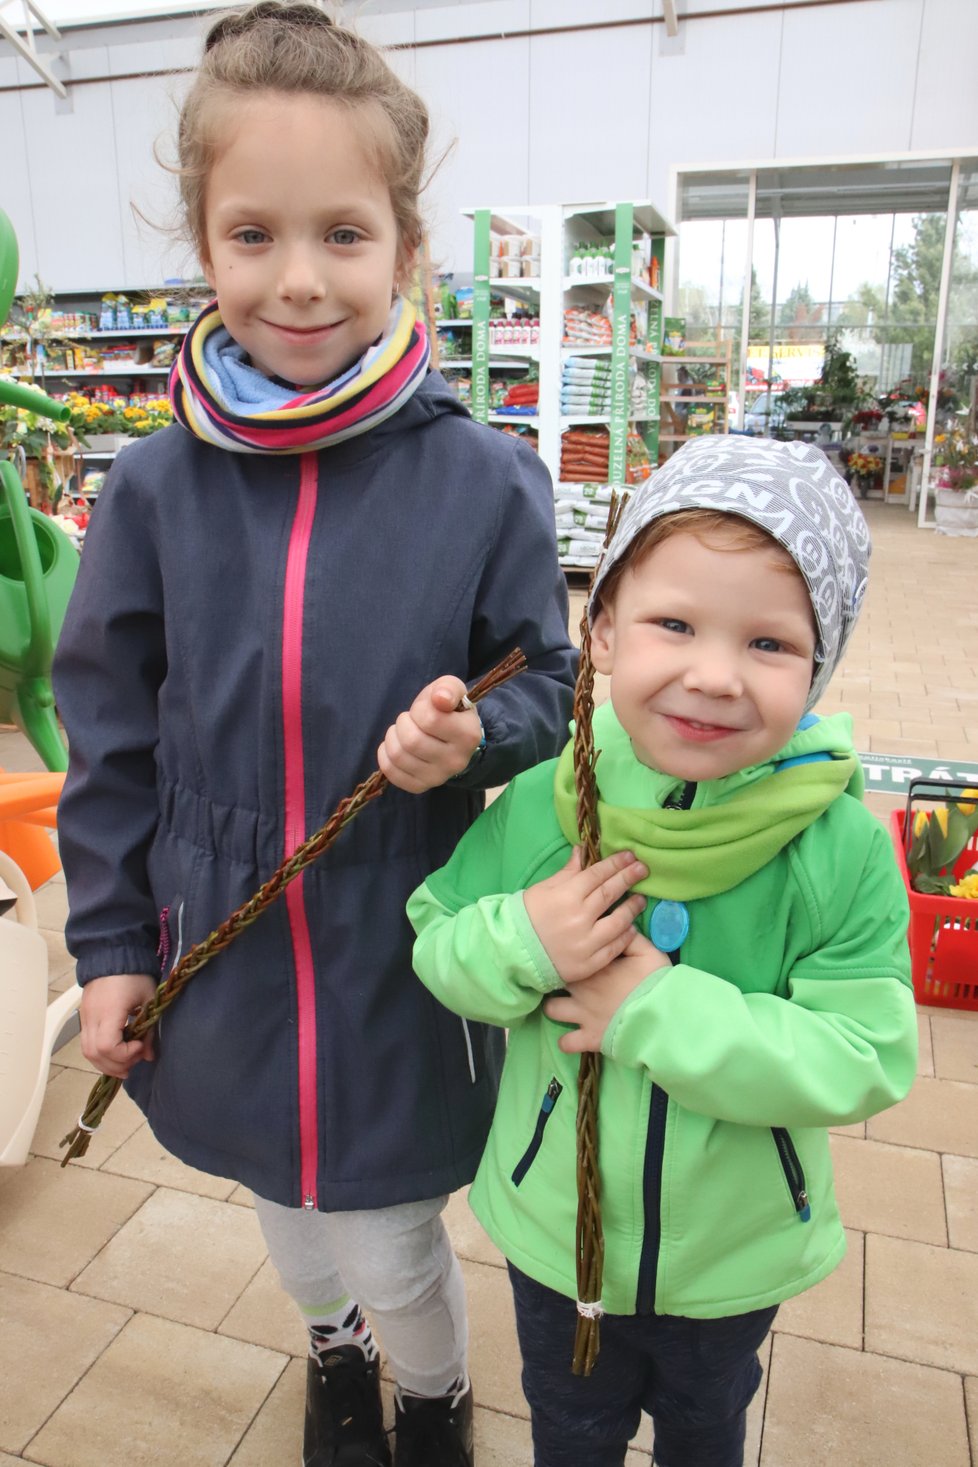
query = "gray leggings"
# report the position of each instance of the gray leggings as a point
(397, 1262)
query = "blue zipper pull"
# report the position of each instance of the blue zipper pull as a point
(668, 926)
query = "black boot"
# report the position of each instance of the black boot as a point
(433, 1432)
(344, 1415)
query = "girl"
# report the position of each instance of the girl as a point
(265, 585)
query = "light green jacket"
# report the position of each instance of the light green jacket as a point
(790, 1010)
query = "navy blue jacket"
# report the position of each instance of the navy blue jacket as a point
(243, 631)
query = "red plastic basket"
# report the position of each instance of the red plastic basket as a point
(943, 932)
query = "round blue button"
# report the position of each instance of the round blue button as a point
(668, 926)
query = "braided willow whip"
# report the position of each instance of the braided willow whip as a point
(105, 1088)
(590, 1235)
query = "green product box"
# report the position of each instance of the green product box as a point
(673, 336)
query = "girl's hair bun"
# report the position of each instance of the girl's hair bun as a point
(283, 12)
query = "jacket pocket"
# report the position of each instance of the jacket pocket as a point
(546, 1111)
(170, 950)
(793, 1172)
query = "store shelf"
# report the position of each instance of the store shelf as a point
(604, 283)
(129, 369)
(95, 334)
(526, 291)
(523, 360)
(626, 345)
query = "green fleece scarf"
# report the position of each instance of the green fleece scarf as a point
(736, 825)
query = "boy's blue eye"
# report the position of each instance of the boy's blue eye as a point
(673, 624)
(768, 644)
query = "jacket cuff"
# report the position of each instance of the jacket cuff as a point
(542, 975)
(100, 962)
(614, 1045)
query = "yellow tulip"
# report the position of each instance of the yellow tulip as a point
(968, 809)
(967, 887)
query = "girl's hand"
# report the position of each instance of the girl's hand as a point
(107, 1004)
(431, 742)
(570, 913)
(594, 1003)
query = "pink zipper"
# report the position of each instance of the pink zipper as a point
(295, 820)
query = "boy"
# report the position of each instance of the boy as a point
(738, 957)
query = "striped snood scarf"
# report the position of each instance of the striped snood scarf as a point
(221, 398)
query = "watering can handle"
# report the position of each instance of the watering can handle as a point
(39, 654)
(11, 392)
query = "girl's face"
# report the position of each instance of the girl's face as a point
(301, 244)
(710, 654)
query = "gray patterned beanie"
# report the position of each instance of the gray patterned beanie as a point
(788, 489)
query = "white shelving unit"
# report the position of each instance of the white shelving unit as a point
(628, 233)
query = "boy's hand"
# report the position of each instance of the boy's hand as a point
(570, 912)
(107, 1004)
(431, 742)
(594, 1003)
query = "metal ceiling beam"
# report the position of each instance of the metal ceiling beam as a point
(24, 45)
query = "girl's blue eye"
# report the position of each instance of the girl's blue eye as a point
(345, 236)
(251, 236)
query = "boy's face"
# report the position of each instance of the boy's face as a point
(710, 654)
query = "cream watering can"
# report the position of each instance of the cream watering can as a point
(29, 1025)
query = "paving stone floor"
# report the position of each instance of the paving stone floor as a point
(140, 1322)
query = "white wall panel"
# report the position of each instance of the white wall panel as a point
(589, 115)
(847, 79)
(161, 55)
(76, 205)
(481, 18)
(144, 120)
(477, 95)
(713, 95)
(15, 185)
(585, 12)
(946, 100)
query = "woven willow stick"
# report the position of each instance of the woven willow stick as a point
(106, 1087)
(590, 1234)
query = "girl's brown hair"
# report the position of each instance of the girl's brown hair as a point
(292, 47)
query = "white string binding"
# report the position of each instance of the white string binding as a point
(590, 1311)
(82, 1127)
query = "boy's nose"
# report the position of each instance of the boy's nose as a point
(713, 672)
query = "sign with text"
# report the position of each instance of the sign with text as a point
(890, 774)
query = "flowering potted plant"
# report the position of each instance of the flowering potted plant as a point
(49, 449)
(955, 463)
(106, 426)
(939, 838)
(864, 472)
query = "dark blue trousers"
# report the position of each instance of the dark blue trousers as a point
(695, 1378)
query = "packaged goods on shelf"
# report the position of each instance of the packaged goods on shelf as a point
(524, 432)
(584, 454)
(585, 389)
(673, 336)
(584, 327)
(515, 330)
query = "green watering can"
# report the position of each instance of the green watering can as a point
(38, 565)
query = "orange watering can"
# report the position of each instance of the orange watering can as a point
(38, 565)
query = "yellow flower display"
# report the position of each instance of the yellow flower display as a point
(967, 887)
